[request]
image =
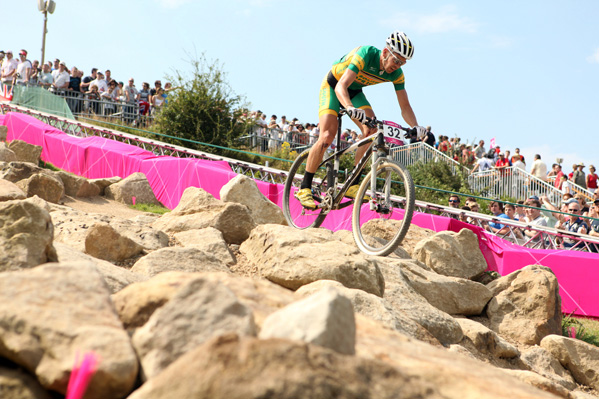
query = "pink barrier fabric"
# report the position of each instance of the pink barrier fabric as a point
(96, 157)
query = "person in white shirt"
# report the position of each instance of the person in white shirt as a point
(9, 68)
(99, 82)
(61, 77)
(24, 68)
(539, 168)
(518, 163)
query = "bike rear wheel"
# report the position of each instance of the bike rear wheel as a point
(295, 214)
(380, 231)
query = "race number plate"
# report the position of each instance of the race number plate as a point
(393, 133)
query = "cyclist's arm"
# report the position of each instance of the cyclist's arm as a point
(406, 109)
(346, 80)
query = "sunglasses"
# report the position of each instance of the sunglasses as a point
(574, 210)
(454, 201)
(397, 60)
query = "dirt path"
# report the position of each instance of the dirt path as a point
(101, 205)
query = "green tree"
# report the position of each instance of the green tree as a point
(438, 175)
(203, 108)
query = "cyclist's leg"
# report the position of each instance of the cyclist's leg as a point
(360, 101)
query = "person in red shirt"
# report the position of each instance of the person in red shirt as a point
(592, 179)
(558, 176)
(502, 162)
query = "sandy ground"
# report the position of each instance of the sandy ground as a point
(101, 205)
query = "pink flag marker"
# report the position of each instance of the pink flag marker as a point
(133, 200)
(81, 375)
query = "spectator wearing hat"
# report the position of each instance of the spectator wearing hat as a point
(517, 154)
(61, 77)
(579, 177)
(23, 68)
(99, 82)
(517, 162)
(9, 68)
(591, 179)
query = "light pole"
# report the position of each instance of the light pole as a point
(45, 7)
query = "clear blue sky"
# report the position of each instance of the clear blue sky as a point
(523, 72)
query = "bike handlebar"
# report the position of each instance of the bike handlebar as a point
(373, 122)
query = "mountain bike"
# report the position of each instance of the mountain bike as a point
(381, 219)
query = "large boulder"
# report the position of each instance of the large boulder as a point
(26, 235)
(104, 242)
(243, 190)
(386, 229)
(292, 258)
(56, 312)
(542, 362)
(171, 259)
(104, 182)
(325, 318)
(209, 240)
(374, 307)
(26, 152)
(16, 171)
(136, 303)
(526, 306)
(115, 277)
(486, 341)
(454, 376)
(578, 357)
(77, 186)
(71, 227)
(453, 295)
(7, 155)
(229, 367)
(452, 254)
(135, 185)
(10, 191)
(199, 310)
(540, 382)
(198, 209)
(402, 297)
(45, 186)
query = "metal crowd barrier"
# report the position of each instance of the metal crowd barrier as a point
(422, 152)
(265, 139)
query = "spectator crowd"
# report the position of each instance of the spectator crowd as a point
(103, 94)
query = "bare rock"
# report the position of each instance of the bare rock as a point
(190, 259)
(16, 171)
(72, 226)
(243, 190)
(452, 254)
(45, 186)
(209, 240)
(325, 318)
(3, 133)
(17, 384)
(540, 382)
(486, 341)
(229, 367)
(52, 313)
(199, 310)
(115, 277)
(578, 357)
(77, 186)
(6, 155)
(135, 185)
(136, 303)
(26, 235)
(453, 295)
(26, 152)
(10, 191)
(402, 297)
(543, 363)
(104, 182)
(374, 307)
(528, 308)
(292, 258)
(198, 209)
(104, 242)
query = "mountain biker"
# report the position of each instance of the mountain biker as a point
(342, 87)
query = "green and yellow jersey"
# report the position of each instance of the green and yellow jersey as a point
(365, 61)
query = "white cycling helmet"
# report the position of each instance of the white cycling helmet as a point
(399, 43)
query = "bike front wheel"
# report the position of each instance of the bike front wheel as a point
(295, 214)
(381, 224)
